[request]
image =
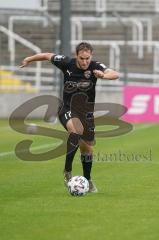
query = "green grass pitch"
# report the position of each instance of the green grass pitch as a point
(34, 204)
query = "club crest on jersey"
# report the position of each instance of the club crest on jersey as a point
(87, 74)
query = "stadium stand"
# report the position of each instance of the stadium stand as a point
(93, 21)
(144, 6)
(135, 6)
(9, 83)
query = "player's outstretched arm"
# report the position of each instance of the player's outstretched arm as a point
(36, 57)
(108, 74)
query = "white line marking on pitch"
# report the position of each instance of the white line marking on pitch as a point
(3, 154)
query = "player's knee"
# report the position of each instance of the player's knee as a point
(80, 131)
(75, 126)
(74, 130)
(85, 147)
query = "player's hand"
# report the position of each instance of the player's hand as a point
(24, 63)
(98, 74)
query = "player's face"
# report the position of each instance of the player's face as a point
(83, 59)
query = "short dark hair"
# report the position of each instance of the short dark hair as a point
(84, 46)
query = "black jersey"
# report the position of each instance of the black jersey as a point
(77, 80)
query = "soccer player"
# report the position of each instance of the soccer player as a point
(80, 77)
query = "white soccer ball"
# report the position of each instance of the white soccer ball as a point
(78, 186)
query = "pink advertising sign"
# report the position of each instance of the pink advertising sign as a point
(142, 104)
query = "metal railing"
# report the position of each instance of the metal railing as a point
(136, 24)
(27, 44)
(77, 24)
(11, 40)
(44, 5)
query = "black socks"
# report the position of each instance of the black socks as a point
(72, 146)
(86, 160)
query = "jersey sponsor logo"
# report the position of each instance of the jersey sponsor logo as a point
(59, 57)
(87, 74)
(83, 85)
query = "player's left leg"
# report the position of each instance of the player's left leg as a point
(86, 157)
(86, 149)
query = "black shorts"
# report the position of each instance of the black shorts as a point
(87, 121)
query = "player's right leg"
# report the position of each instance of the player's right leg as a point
(75, 128)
